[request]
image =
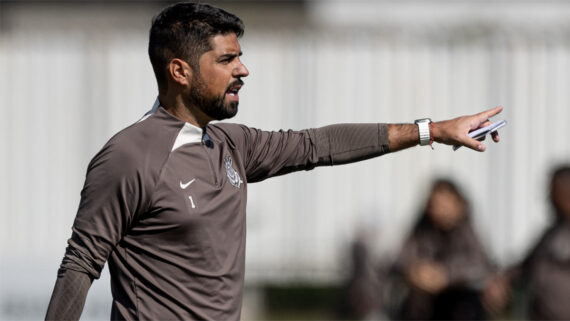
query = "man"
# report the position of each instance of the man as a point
(164, 200)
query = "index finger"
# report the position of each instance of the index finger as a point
(482, 116)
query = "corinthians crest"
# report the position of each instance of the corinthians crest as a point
(233, 176)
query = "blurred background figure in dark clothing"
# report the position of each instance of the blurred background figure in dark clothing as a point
(545, 272)
(443, 267)
(361, 296)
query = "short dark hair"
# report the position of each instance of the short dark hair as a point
(184, 31)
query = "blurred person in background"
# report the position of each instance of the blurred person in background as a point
(360, 295)
(444, 268)
(164, 201)
(545, 272)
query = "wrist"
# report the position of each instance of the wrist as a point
(431, 135)
(435, 132)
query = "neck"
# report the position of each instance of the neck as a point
(175, 105)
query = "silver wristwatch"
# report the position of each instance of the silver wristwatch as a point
(423, 126)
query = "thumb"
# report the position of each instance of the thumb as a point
(474, 144)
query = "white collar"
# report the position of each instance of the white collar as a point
(187, 134)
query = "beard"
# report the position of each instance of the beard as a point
(212, 105)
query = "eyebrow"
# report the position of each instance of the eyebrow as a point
(230, 55)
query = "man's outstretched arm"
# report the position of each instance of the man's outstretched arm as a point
(449, 132)
(269, 154)
(69, 294)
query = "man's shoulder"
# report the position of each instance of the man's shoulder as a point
(233, 133)
(231, 129)
(147, 142)
(227, 127)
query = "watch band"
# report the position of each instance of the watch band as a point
(423, 127)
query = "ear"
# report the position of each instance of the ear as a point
(180, 71)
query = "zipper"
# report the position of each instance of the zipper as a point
(212, 169)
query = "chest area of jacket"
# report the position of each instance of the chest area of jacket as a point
(200, 188)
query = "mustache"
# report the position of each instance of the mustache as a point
(234, 83)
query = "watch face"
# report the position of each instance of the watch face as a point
(423, 120)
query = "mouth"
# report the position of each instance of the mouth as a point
(233, 90)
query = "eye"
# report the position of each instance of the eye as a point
(226, 60)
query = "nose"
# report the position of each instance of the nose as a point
(240, 71)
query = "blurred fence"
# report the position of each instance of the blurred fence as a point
(73, 75)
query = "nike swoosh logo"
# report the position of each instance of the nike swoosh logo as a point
(184, 186)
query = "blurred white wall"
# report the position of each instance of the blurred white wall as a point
(71, 75)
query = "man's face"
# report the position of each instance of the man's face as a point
(214, 89)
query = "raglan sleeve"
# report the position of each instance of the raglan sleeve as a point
(110, 199)
(273, 153)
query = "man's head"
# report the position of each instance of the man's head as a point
(184, 31)
(560, 191)
(194, 49)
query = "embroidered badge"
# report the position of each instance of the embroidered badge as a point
(233, 176)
